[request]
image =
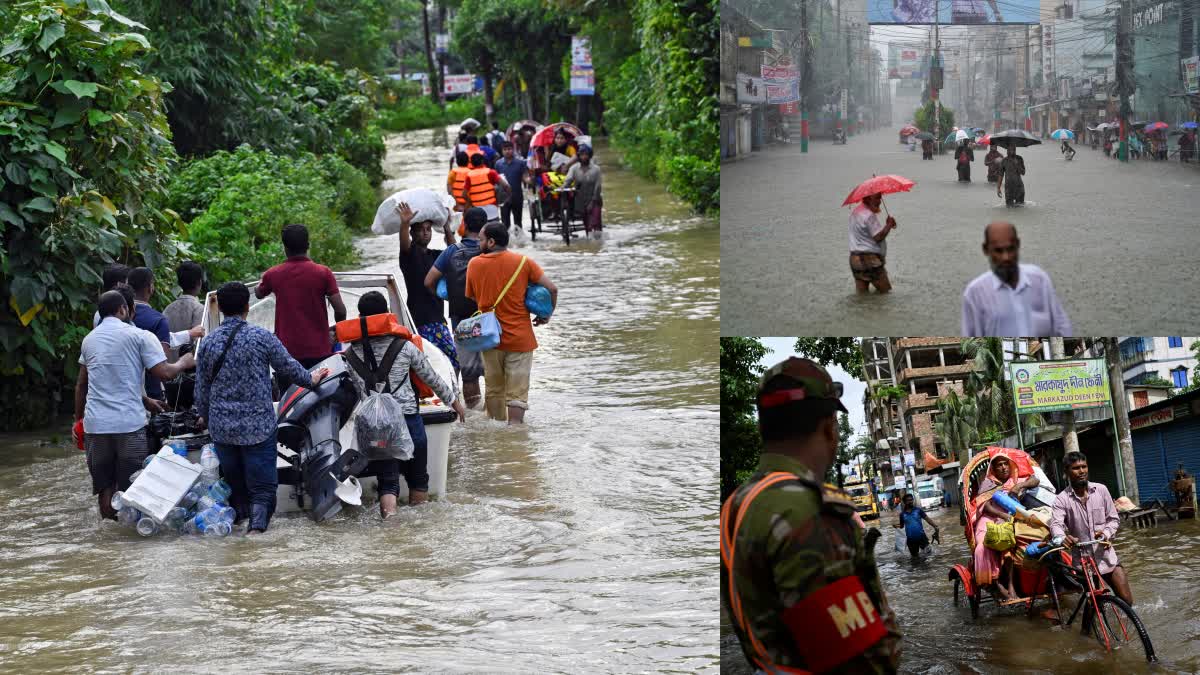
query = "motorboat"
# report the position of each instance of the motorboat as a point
(317, 462)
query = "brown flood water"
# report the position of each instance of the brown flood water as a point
(942, 638)
(582, 543)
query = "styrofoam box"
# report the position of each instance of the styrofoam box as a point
(161, 485)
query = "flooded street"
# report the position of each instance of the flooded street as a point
(940, 638)
(582, 543)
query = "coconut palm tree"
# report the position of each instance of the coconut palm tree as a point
(957, 424)
(987, 384)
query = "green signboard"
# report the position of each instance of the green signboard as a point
(1044, 386)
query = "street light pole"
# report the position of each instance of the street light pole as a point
(805, 76)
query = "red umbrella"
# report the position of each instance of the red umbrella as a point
(545, 137)
(908, 130)
(1157, 126)
(879, 185)
(986, 140)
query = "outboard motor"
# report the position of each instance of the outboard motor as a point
(309, 423)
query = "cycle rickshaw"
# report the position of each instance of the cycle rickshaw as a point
(554, 202)
(1045, 572)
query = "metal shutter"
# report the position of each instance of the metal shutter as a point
(1148, 457)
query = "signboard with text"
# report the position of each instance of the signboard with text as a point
(782, 83)
(581, 51)
(973, 12)
(583, 81)
(905, 62)
(1044, 386)
(1191, 79)
(459, 84)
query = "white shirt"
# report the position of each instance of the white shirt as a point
(117, 355)
(864, 225)
(993, 308)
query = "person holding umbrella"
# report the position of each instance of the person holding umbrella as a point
(868, 245)
(963, 156)
(1012, 166)
(992, 162)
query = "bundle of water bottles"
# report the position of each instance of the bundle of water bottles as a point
(204, 509)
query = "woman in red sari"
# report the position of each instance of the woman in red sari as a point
(1013, 477)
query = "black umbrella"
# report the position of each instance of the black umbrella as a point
(1015, 138)
(1138, 125)
(924, 136)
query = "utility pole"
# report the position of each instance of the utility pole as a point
(1121, 416)
(1125, 84)
(1070, 438)
(996, 91)
(899, 410)
(1028, 88)
(849, 88)
(805, 75)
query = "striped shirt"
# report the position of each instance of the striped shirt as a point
(991, 307)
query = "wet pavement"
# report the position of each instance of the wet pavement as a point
(942, 638)
(1118, 241)
(581, 543)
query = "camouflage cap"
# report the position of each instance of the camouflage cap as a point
(811, 383)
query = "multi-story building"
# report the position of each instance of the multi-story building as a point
(1167, 358)
(927, 368)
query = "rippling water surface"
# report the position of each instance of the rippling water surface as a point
(581, 543)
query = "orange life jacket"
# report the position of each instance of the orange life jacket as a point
(460, 182)
(350, 330)
(482, 190)
(472, 150)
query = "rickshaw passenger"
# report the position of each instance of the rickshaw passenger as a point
(1002, 475)
(563, 144)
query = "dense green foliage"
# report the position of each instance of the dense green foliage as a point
(355, 33)
(923, 119)
(241, 200)
(662, 98)
(413, 111)
(842, 351)
(740, 441)
(86, 154)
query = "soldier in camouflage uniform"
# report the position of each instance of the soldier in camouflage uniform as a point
(798, 574)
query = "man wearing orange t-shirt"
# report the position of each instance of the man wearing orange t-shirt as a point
(506, 368)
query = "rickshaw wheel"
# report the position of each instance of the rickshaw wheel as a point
(974, 600)
(957, 588)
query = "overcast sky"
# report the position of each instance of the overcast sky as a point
(783, 347)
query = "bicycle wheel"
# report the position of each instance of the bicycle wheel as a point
(564, 219)
(1120, 624)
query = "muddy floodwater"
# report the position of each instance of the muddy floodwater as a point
(940, 638)
(581, 543)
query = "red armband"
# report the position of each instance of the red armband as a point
(834, 624)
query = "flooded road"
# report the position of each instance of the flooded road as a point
(582, 543)
(940, 638)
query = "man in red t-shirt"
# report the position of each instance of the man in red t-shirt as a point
(301, 288)
(506, 368)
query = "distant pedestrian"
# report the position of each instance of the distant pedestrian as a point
(992, 162)
(1012, 299)
(1012, 167)
(963, 156)
(926, 149)
(868, 246)
(1187, 146)
(516, 171)
(914, 532)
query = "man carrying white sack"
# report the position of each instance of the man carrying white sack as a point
(414, 215)
(427, 207)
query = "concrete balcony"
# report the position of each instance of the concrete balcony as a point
(906, 374)
(916, 402)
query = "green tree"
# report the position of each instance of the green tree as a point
(845, 454)
(957, 424)
(86, 153)
(923, 118)
(475, 29)
(988, 385)
(354, 33)
(740, 440)
(842, 351)
(216, 54)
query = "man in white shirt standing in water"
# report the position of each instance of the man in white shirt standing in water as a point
(868, 250)
(1011, 299)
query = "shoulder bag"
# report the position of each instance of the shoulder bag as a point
(481, 331)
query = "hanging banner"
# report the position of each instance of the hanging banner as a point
(779, 72)
(1048, 51)
(783, 91)
(441, 43)
(581, 51)
(751, 89)
(1045, 386)
(583, 81)
(960, 12)
(1191, 83)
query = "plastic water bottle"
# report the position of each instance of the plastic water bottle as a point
(179, 447)
(147, 527)
(175, 518)
(146, 462)
(1036, 549)
(220, 491)
(219, 529)
(1006, 502)
(128, 516)
(205, 503)
(189, 500)
(210, 464)
(118, 500)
